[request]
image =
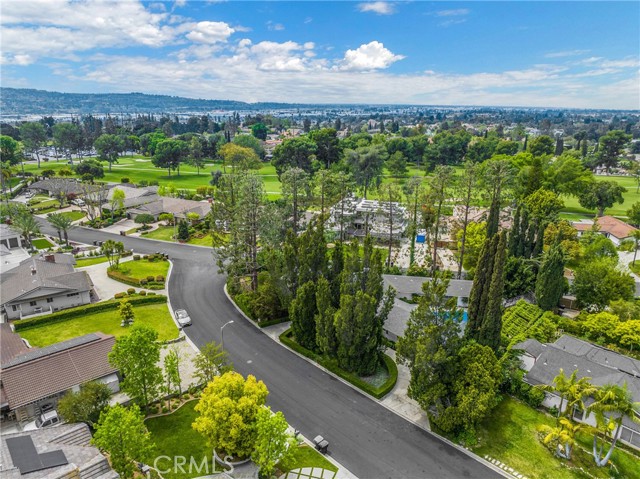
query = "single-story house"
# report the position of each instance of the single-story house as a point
(57, 186)
(43, 284)
(33, 379)
(175, 206)
(63, 451)
(409, 286)
(133, 196)
(9, 238)
(613, 228)
(542, 362)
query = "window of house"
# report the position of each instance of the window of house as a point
(32, 303)
(49, 300)
(14, 307)
(72, 294)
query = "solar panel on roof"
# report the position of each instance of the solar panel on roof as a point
(54, 348)
(26, 458)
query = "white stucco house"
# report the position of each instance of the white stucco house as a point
(43, 284)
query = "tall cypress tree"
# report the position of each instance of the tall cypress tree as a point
(493, 221)
(312, 249)
(479, 290)
(302, 313)
(325, 328)
(515, 232)
(551, 284)
(489, 333)
(335, 272)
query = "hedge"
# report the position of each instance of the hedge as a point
(71, 313)
(330, 364)
(123, 278)
(271, 322)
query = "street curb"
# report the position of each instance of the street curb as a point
(437, 436)
(182, 333)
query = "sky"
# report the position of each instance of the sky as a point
(510, 53)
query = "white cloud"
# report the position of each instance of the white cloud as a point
(278, 27)
(381, 8)
(370, 56)
(566, 53)
(452, 13)
(210, 32)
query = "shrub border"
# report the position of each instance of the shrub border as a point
(71, 313)
(378, 393)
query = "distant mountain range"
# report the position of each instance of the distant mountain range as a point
(23, 102)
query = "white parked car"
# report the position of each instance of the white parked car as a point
(77, 202)
(44, 420)
(183, 318)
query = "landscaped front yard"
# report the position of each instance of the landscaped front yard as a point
(174, 436)
(509, 435)
(41, 243)
(90, 261)
(74, 215)
(165, 233)
(142, 268)
(156, 316)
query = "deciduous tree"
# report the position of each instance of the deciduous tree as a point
(121, 432)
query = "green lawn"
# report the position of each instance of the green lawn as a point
(165, 233)
(174, 436)
(631, 196)
(305, 456)
(80, 263)
(143, 268)
(509, 435)
(635, 267)
(73, 215)
(156, 316)
(42, 243)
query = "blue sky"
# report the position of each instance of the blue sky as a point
(557, 54)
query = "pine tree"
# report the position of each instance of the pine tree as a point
(489, 333)
(183, 230)
(325, 328)
(551, 284)
(534, 180)
(302, 312)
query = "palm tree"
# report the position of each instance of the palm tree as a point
(26, 225)
(571, 389)
(612, 404)
(562, 436)
(61, 223)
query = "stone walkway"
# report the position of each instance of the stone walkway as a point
(309, 473)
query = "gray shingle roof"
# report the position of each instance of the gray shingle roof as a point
(602, 365)
(57, 275)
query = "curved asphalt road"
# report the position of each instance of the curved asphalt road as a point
(364, 436)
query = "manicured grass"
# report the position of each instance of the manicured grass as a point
(81, 263)
(165, 233)
(631, 196)
(156, 316)
(509, 435)
(174, 436)
(73, 215)
(143, 268)
(42, 243)
(305, 456)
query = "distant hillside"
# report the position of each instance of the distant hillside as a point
(19, 101)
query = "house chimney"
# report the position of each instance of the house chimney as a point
(33, 271)
(50, 258)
